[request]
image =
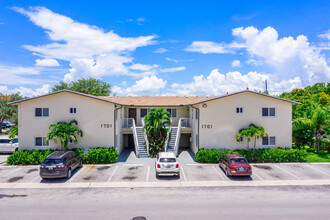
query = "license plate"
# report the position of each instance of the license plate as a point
(50, 168)
(241, 169)
(168, 166)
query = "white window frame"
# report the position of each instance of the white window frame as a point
(74, 110)
(43, 142)
(42, 113)
(269, 141)
(176, 112)
(240, 110)
(268, 116)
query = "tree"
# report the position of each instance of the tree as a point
(8, 111)
(156, 130)
(245, 132)
(13, 132)
(320, 121)
(252, 131)
(303, 131)
(64, 131)
(90, 86)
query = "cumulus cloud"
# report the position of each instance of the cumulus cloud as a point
(147, 84)
(160, 50)
(26, 92)
(206, 47)
(90, 50)
(17, 75)
(217, 83)
(47, 62)
(325, 35)
(236, 63)
(288, 56)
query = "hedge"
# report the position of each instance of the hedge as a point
(263, 155)
(97, 155)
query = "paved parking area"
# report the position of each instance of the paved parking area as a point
(190, 172)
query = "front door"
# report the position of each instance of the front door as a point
(132, 113)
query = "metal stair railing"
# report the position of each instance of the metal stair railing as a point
(168, 136)
(136, 142)
(177, 139)
(145, 136)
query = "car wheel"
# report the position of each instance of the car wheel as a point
(68, 174)
(178, 175)
(157, 174)
(16, 149)
(226, 171)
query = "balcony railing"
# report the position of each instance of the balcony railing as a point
(128, 122)
(185, 123)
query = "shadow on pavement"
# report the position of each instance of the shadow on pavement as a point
(59, 180)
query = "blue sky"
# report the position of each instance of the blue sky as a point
(164, 47)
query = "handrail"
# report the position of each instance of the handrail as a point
(177, 139)
(145, 136)
(136, 143)
(168, 136)
(185, 123)
(127, 123)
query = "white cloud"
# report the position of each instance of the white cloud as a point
(160, 50)
(206, 47)
(174, 69)
(143, 67)
(217, 83)
(253, 62)
(325, 35)
(90, 50)
(147, 84)
(169, 59)
(236, 63)
(47, 62)
(26, 92)
(288, 56)
(17, 75)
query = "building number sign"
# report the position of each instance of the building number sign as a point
(106, 125)
(208, 126)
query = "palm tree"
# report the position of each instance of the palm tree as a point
(320, 121)
(257, 132)
(245, 132)
(64, 132)
(13, 132)
(156, 123)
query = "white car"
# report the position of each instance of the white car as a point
(7, 145)
(167, 164)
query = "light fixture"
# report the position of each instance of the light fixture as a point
(204, 105)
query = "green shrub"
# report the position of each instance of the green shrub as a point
(101, 155)
(263, 155)
(28, 157)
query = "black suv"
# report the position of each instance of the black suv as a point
(60, 164)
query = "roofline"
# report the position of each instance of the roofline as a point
(64, 90)
(235, 93)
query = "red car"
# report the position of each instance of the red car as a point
(235, 165)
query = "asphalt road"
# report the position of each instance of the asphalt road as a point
(284, 202)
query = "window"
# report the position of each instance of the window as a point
(41, 141)
(239, 110)
(73, 110)
(41, 112)
(143, 112)
(268, 141)
(240, 139)
(196, 114)
(268, 112)
(172, 111)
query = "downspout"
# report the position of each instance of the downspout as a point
(197, 111)
(114, 125)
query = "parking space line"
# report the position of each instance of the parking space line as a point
(34, 179)
(254, 173)
(76, 174)
(287, 172)
(113, 173)
(319, 170)
(217, 172)
(147, 179)
(184, 176)
(11, 172)
(133, 165)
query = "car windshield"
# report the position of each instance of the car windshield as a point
(167, 160)
(238, 161)
(53, 161)
(4, 141)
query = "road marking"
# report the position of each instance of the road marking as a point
(319, 170)
(113, 173)
(147, 179)
(287, 172)
(254, 173)
(217, 172)
(34, 179)
(196, 164)
(11, 172)
(184, 176)
(133, 165)
(76, 174)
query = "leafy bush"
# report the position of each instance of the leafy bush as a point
(101, 155)
(35, 157)
(264, 155)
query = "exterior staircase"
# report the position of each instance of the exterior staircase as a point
(142, 152)
(171, 147)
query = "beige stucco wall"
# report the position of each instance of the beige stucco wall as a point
(221, 115)
(91, 113)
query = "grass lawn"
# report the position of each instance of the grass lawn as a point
(313, 157)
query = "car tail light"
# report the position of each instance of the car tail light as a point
(158, 165)
(249, 168)
(42, 167)
(177, 165)
(232, 169)
(61, 166)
